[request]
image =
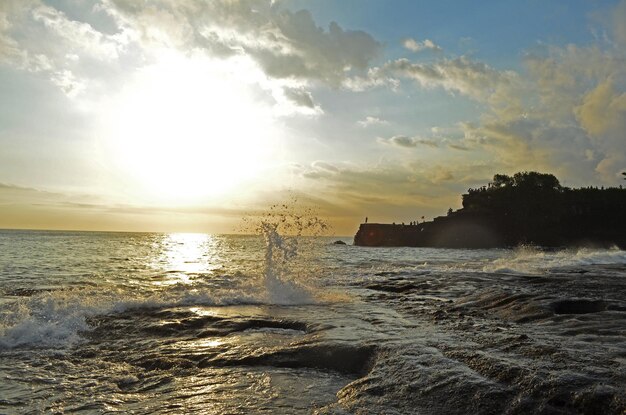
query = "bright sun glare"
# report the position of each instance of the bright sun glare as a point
(186, 129)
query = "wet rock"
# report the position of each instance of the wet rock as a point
(396, 286)
(578, 306)
(162, 363)
(341, 358)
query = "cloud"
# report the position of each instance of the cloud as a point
(603, 110)
(42, 39)
(300, 97)
(285, 44)
(456, 146)
(415, 46)
(392, 191)
(68, 83)
(322, 165)
(12, 14)
(376, 77)
(582, 103)
(76, 36)
(619, 23)
(474, 79)
(30, 208)
(564, 112)
(319, 170)
(569, 104)
(602, 114)
(413, 142)
(408, 142)
(72, 51)
(370, 120)
(441, 175)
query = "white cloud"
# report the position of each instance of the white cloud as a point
(289, 46)
(375, 78)
(76, 36)
(320, 170)
(322, 165)
(415, 46)
(42, 39)
(68, 83)
(603, 111)
(408, 142)
(474, 79)
(286, 44)
(370, 120)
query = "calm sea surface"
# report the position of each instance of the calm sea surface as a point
(192, 323)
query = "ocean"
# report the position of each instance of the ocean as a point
(153, 323)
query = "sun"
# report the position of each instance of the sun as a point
(187, 128)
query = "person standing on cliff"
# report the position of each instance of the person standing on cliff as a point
(366, 219)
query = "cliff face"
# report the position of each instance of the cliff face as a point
(485, 232)
(528, 208)
(443, 232)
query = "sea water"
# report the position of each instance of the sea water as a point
(214, 324)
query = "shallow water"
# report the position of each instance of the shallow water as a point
(191, 323)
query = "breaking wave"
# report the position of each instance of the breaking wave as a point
(536, 261)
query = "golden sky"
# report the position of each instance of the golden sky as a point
(190, 115)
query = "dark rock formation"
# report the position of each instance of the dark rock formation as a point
(527, 208)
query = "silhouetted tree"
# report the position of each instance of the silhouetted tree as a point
(501, 180)
(534, 206)
(536, 180)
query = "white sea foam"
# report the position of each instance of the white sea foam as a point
(56, 319)
(533, 260)
(46, 320)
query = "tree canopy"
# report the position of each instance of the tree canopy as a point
(526, 179)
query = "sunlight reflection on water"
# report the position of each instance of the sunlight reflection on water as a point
(184, 256)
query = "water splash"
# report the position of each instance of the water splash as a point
(284, 228)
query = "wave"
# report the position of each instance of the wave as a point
(57, 319)
(536, 261)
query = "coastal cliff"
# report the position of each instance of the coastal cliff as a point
(527, 208)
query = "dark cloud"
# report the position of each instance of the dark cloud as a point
(300, 97)
(457, 146)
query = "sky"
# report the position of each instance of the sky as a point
(191, 115)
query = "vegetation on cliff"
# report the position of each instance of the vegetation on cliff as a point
(533, 205)
(528, 207)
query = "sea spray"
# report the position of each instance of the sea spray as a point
(60, 318)
(283, 229)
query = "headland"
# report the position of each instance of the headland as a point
(526, 208)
